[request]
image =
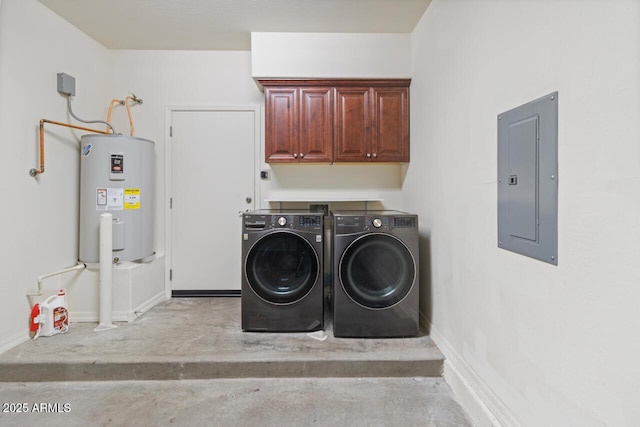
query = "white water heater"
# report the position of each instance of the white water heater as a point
(117, 176)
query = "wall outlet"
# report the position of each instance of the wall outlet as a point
(66, 84)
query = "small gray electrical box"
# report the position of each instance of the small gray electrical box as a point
(528, 179)
(66, 84)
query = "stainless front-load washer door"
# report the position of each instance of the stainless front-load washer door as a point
(281, 267)
(377, 271)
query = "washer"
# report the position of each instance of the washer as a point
(282, 271)
(375, 274)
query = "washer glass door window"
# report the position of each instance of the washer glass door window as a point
(377, 271)
(281, 267)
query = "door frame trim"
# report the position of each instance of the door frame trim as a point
(169, 110)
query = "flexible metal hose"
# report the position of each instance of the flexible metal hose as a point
(87, 121)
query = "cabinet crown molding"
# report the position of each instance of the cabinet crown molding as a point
(336, 82)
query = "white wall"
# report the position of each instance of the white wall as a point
(324, 55)
(40, 216)
(166, 79)
(557, 346)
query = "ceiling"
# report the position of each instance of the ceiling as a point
(227, 24)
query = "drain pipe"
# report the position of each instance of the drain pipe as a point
(79, 266)
(106, 273)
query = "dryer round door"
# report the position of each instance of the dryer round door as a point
(282, 267)
(377, 271)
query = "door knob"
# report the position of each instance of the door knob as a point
(248, 199)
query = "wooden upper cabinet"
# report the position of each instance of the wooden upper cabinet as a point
(298, 124)
(281, 126)
(352, 141)
(316, 124)
(390, 125)
(346, 120)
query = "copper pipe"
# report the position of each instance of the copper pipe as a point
(35, 172)
(126, 103)
(113, 102)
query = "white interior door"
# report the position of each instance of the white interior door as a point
(212, 180)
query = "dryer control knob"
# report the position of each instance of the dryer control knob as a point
(282, 221)
(377, 222)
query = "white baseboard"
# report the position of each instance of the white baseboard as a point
(10, 342)
(92, 316)
(120, 315)
(150, 303)
(482, 405)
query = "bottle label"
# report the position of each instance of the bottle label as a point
(60, 319)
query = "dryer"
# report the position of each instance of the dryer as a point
(282, 271)
(375, 274)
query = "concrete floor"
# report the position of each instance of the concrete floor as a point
(187, 362)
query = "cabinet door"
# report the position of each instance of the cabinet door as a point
(352, 138)
(281, 128)
(390, 142)
(316, 124)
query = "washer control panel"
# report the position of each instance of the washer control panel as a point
(314, 221)
(283, 221)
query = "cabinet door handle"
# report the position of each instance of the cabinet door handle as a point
(375, 155)
(368, 154)
(301, 155)
(295, 155)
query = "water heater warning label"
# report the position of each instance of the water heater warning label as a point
(109, 199)
(101, 198)
(132, 198)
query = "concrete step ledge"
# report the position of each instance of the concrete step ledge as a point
(108, 371)
(321, 402)
(201, 338)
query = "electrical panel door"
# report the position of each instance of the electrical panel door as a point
(528, 179)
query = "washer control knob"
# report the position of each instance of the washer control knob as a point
(282, 221)
(377, 222)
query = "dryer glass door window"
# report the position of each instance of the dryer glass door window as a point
(377, 271)
(281, 268)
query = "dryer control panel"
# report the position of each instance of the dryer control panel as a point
(358, 223)
(382, 221)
